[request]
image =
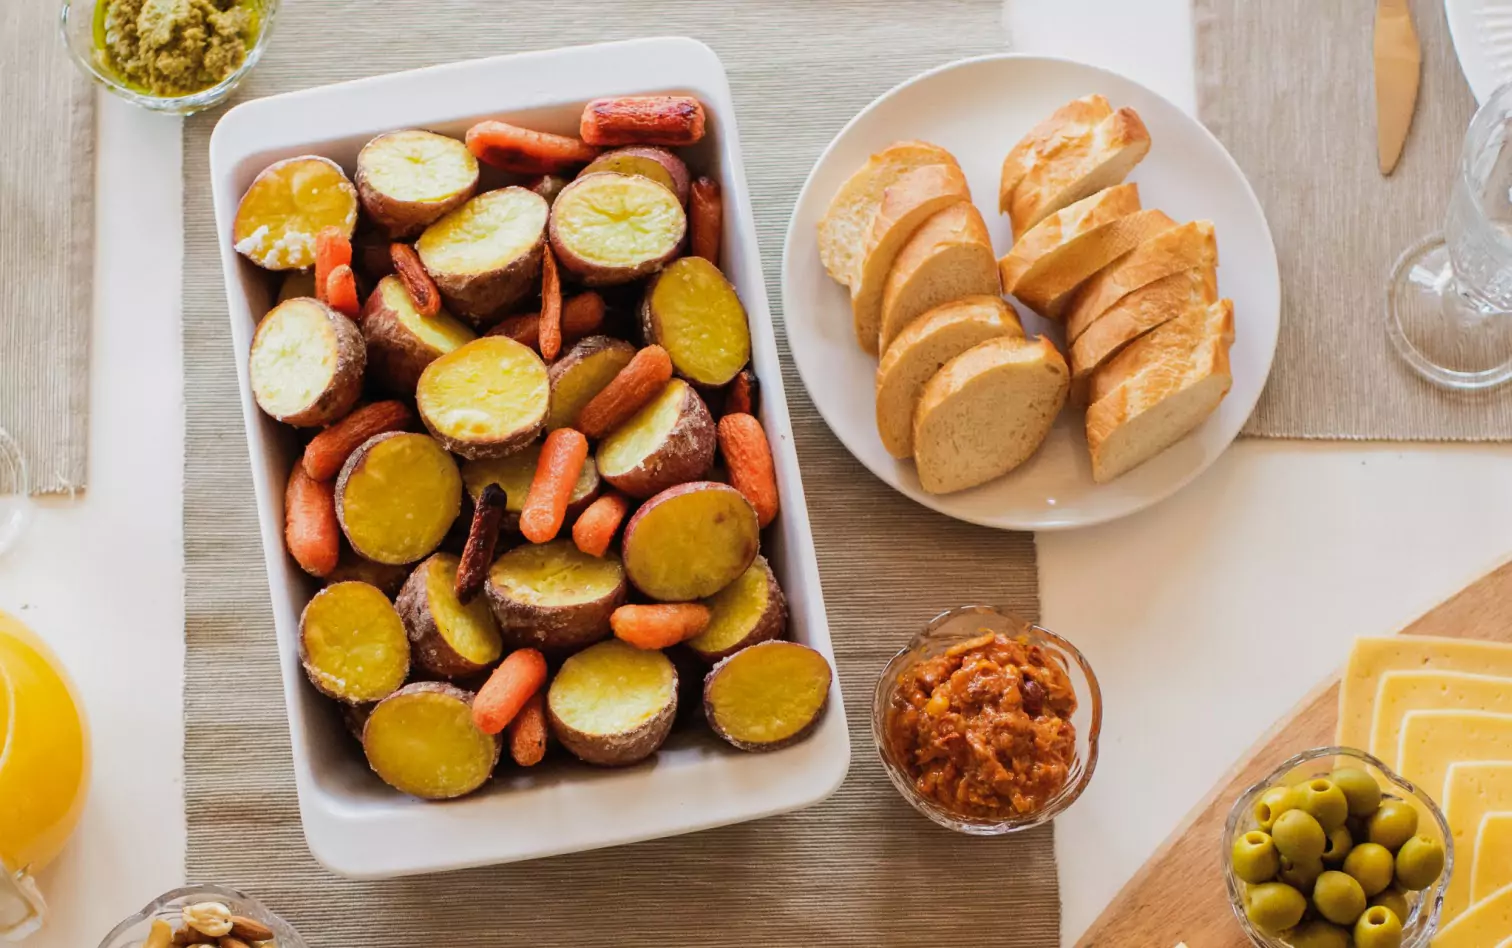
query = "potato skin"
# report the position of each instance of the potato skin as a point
(351, 567)
(428, 646)
(437, 687)
(482, 298)
(553, 628)
(593, 274)
(685, 455)
(346, 383)
(771, 625)
(676, 168)
(396, 356)
(756, 747)
(617, 750)
(401, 219)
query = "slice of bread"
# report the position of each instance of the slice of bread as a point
(842, 229)
(1069, 124)
(1100, 159)
(948, 258)
(919, 352)
(1180, 248)
(1138, 313)
(1182, 376)
(906, 204)
(987, 411)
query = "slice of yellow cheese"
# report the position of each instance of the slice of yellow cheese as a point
(1472, 789)
(1434, 740)
(1491, 869)
(1402, 692)
(1488, 923)
(1373, 657)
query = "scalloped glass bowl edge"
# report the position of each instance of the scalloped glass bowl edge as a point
(131, 932)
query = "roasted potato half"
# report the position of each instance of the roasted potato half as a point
(553, 596)
(486, 254)
(690, 541)
(768, 696)
(397, 496)
(581, 373)
(408, 179)
(612, 704)
(648, 161)
(448, 639)
(400, 341)
(421, 740)
(752, 609)
(306, 363)
(692, 311)
(610, 228)
(290, 202)
(352, 644)
(668, 442)
(485, 399)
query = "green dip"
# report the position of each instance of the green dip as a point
(173, 47)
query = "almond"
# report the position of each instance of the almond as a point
(249, 929)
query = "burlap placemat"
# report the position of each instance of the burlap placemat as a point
(46, 246)
(1288, 86)
(861, 869)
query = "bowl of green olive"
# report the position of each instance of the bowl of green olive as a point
(1333, 850)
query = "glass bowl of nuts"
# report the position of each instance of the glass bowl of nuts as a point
(204, 915)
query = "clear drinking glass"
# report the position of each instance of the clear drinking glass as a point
(1449, 302)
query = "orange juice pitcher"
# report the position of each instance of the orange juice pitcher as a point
(44, 770)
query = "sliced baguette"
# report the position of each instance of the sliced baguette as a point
(920, 350)
(987, 411)
(1172, 380)
(1180, 248)
(948, 258)
(1138, 313)
(1099, 159)
(1069, 124)
(842, 229)
(906, 205)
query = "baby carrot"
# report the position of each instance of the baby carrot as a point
(341, 291)
(749, 458)
(596, 526)
(551, 307)
(311, 531)
(582, 315)
(520, 675)
(332, 249)
(422, 289)
(562, 457)
(482, 537)
(743, 394)
(527, 732)
(523, 151)
(660, 626)
(635, 385)
(705, 219)
(329, 450)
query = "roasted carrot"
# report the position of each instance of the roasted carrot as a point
(635, 385)
(422, 289)
(596, 526)
(660, 626)
(520, 675)
(743, 394)
(482, 537)
(329, 450)
(527, 732)
(749, 458)
(643, 120)
(582, 315)
(310, 528)
(551, 307)
(562, 457)
(705, 219)
(341, 291)
(523, 151)
(332, 249)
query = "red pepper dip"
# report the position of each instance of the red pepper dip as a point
(985, 729)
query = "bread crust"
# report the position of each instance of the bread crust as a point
(1066, 124)
(1193, 244)
(958, 236)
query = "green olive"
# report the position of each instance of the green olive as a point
(1325, 801)
(1360, 789)
(1272, 804)
(1299, 837)
(1393, 824)
(1378, 928)
(1372, 866)
(1338, 897)
(1338, 845)
(1274, 907)
(1395, 900)
(1419, 862)
(1300, 875)
(1316, 933)
(1255, 858)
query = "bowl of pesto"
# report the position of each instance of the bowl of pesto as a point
(177, 56)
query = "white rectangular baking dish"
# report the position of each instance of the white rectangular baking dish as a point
(355, 825)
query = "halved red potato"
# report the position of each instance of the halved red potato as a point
(400, 341)
(290, 202)
(768, 696)
(485, 399)
(407, 179)
(352, 644)
(397, 496)
(448, 638)
(306, 363)
(693, 312)
(514, 473)
(554, 596)
(581, 373)
(486, 254)
(421, 740)
(752, 609)
(690, 541)
(668, 442)
(648, 161)
(612, 704)
(609, 228)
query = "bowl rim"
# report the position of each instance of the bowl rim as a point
(247, 902)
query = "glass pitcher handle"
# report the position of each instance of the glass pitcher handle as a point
(22, 910)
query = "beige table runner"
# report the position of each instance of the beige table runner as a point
(1288, 86)
(861, 869)
(46, 246)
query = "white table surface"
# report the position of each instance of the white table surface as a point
(1207, 617)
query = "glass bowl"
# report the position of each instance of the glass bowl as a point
(1423, 917)
(133, 931)
(959, 625)
(76, 23)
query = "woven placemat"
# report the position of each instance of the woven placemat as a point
(1288, 86)
(860, 869)
(46, 247)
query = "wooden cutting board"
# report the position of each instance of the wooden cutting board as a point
(1179, 895)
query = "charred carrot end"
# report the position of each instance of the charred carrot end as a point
(332, 249)
(643, 120)
(596, 526)
(705, 219)
(562, 457)
(520, 675)
(329, 450)
(749, 458)
(582, 315)
(637, 383)
(422, 289)
(659, 626)
(311, 531)
(341, 291)
(743, 394)
(523, 151)
(526, 329)
(551, 308)
(482, 537)
(527, 732)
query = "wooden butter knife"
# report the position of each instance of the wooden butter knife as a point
(1398, 67)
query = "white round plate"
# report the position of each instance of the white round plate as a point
(978, 108)
(1482, 32)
